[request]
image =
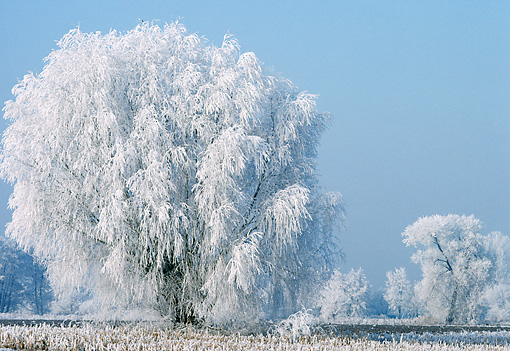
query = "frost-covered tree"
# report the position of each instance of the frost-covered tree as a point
(23, 283)
(163, 171)
(496, 297)
(344, 295)
(376, 304)
(398, 294)
(457, 266)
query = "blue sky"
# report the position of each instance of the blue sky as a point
(419, 92)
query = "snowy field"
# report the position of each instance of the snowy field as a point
(147, 337)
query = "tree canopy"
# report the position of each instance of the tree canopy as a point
(344, 296)
(399, 293)
(158, 170)
(458, 263)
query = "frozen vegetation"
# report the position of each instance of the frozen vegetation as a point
(465, 273)
(155, 172)
(152, 169)
(90, 337)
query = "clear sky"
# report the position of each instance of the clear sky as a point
(419, 92)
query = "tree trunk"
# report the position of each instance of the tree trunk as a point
(184, 315)
(451, 310)
(171, 296)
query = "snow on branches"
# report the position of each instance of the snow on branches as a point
(459, 264)
(159, 170)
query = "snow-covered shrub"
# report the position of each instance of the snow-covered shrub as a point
(296, 325)
(344, 295)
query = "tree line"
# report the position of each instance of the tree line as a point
(465, 280)
(465, 277)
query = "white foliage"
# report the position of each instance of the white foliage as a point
(284, 214)
(345, 295)
(458, 265)
(153, 338)
(158, 170)
(496, 297)
(297, 325)
(398, 293)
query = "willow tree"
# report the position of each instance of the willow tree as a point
(159, 170)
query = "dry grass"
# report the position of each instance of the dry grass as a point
(138, 337)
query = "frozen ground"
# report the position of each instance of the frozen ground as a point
(153, 337)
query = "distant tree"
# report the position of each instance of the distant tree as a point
(376, 304)
(11, 290)
(496, 297)
(399, 293)
(23, 284)
(40, 290)
(457, 266)
(344, 295)
(160, 170)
